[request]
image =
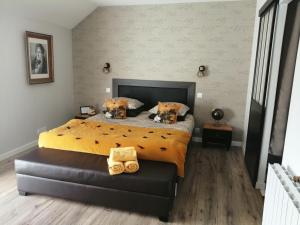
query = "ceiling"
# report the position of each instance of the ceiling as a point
(148, 2)
(68, 13)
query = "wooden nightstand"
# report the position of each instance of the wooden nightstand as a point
(82, 117)
(217, 134)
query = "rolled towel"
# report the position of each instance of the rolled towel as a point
(115, 167)
(123, 154)
(131, 166)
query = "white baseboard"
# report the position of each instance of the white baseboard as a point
(261, 187)
(18, 150)
(244, 150)
(196, 139)
(233, 143)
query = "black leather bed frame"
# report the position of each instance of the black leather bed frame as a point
(84, 177)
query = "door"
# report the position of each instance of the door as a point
(286, 73)
(259, 89)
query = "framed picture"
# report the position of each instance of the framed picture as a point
(87, 110)
(39, 58)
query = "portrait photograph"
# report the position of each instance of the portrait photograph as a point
(39, 57)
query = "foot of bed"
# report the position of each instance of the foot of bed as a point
(23, 193)
(164, 219)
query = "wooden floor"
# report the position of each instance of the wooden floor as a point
(216, 191)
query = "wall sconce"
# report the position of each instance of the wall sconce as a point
(106, 68)
(201, 71)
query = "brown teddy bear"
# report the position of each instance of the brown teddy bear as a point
(167, 112)
(116, 108)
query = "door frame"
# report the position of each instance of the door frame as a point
(290, 162)
(260, 81)
(271, 95)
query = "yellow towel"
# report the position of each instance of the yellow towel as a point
(115, 167)
(131, 166)
(123, 154)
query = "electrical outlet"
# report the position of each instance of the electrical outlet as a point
(40, 130)
(199, 95)
(107, 90)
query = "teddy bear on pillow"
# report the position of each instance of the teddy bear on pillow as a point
(167, 113)
(116, 108)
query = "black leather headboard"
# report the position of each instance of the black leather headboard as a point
(151, 91)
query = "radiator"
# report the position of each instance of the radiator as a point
(282, 198)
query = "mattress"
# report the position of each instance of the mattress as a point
(97, 135)
(142, 120)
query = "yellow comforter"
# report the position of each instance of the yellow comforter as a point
(159, 144)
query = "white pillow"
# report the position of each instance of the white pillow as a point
(182, 111)
(132, 103)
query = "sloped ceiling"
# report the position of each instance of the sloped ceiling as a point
(68, 13)
(149, 2)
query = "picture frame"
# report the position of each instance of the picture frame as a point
(87, 110)
(39, 49)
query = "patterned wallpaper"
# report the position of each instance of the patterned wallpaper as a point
(169, 42)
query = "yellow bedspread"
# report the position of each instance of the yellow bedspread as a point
(159, 144)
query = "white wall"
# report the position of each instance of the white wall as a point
(147, 49)
(24, 108)
(291, 154)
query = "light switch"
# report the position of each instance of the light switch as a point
(199, 95)
(107, 90)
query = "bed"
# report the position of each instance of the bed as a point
(83, 177)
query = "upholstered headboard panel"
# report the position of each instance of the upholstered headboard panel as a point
(150, 91)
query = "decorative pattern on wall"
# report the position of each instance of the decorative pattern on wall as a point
(169, 42)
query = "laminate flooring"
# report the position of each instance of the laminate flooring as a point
(215, 191)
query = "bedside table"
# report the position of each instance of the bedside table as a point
(217, 134)
(82, 117)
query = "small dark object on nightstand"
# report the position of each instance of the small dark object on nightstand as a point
(217, 115)
(82, 116)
